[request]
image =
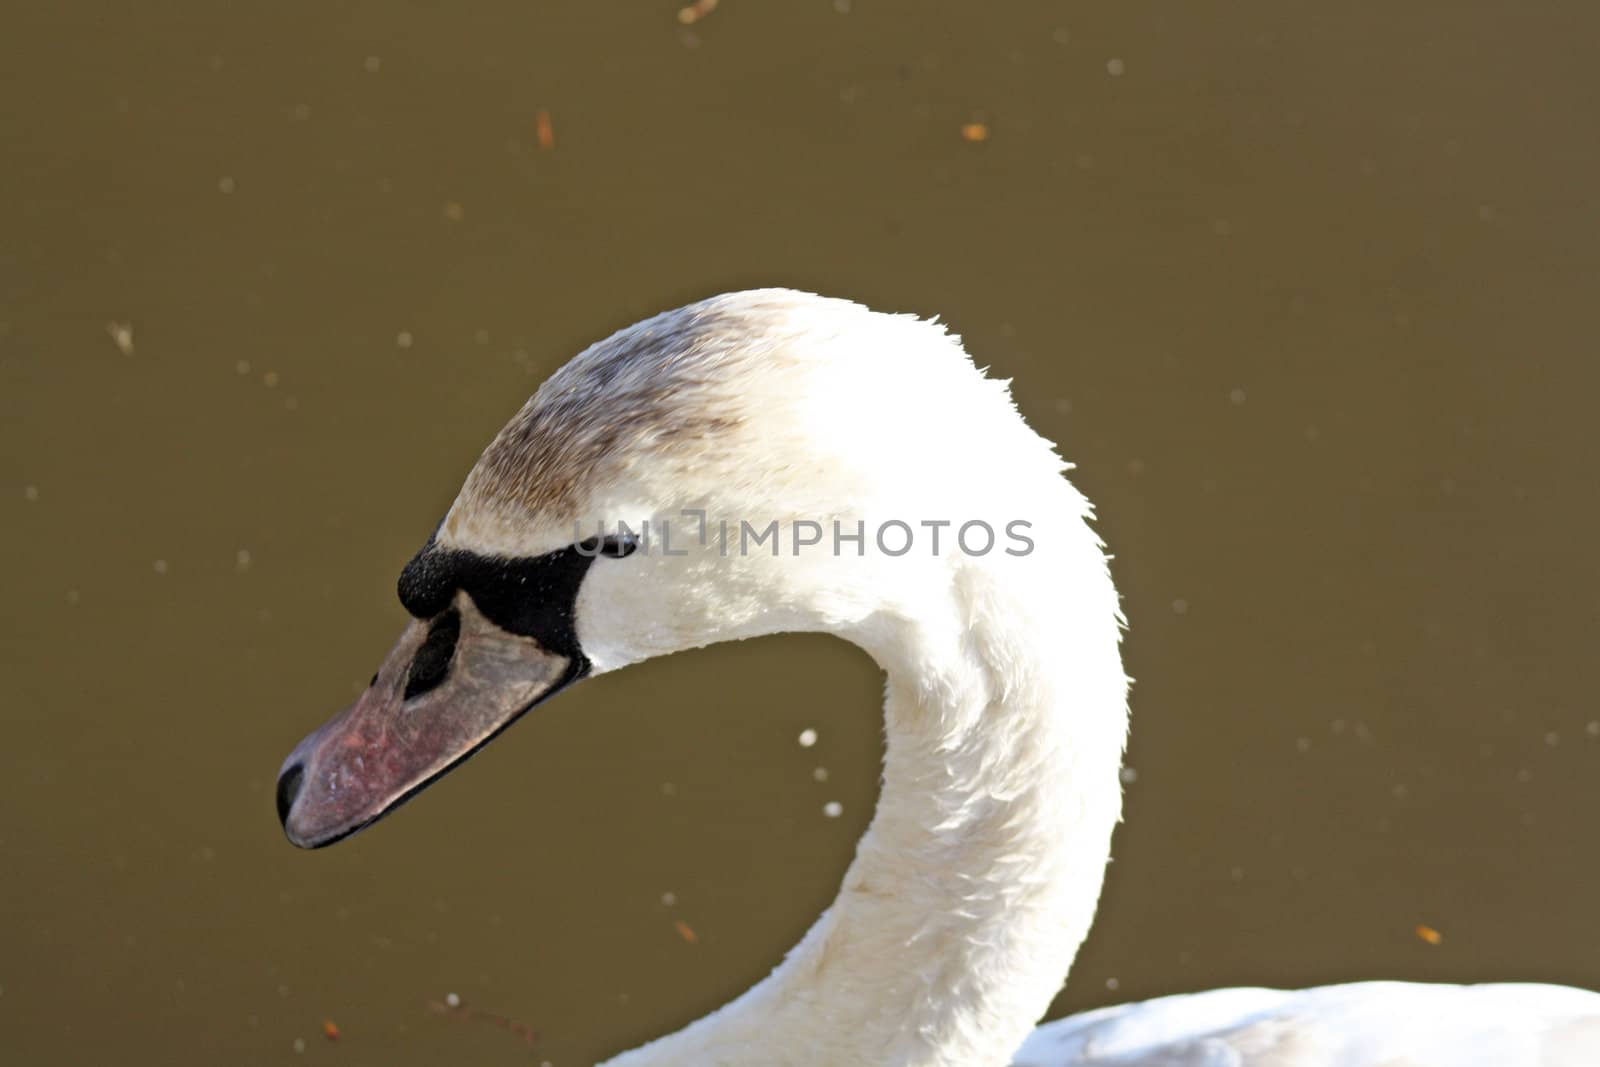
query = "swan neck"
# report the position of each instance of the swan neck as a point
(955, 925)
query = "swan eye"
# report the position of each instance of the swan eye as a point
(432, 661)
(614, 547)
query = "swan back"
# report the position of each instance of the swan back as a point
(1362, 1024)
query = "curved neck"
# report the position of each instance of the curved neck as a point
(977, 880)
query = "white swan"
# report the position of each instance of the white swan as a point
(1006, 700)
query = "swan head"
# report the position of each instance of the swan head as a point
(749, 464)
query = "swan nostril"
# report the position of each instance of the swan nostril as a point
(289, 783)
(432, 661)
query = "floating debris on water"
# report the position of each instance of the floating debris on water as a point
(544, 130)
(1429, 934)
(121, 334)
(372, 64)
(686, 931)
(1128, 775)
(242, 367)
(242, 559)
(669, 899)
(694, 12)
(330, 1030)
(975, 132)
(403, 339)
(819, 774)
(299, 1045)
(270, 379)
(833, 809)
(226, 184)
(808, 737)
(452, 1008)
(160, 566)
(454, 211)
(30, 493)
(1115, 67)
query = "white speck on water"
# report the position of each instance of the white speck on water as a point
(669, 899)
(122, 336)
(226, 184)
(270, 379)
(403, 338)
(1112, 984)
(833, 809)
(1485, 212)
(808, 737)
(160, 566)
(668, 789)
(299, 1044)
(371, 64)
(1593, 729)
(1337, 726)
(1524, 775)
(242, 367)
(1401, 791)
(242, 559)
(30, 493)
(481, 336)
(452, 1001)
(1128, 775)
(1236, 873)
(819, 774)
(1115, 67)
(842, 6)
(1180, 606)
(1236, 396)
(1552, 739)
(1302, 744)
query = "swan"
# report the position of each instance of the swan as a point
(771, 461)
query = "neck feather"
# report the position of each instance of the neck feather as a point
(977, 880)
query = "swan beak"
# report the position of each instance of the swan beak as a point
(450, 685)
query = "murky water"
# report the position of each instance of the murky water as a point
(1308, 291)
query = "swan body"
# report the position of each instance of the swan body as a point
(612, 520)
(1362, 1024)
